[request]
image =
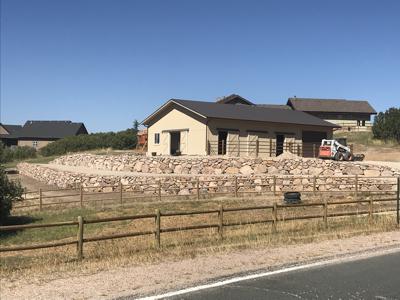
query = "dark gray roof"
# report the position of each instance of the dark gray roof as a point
(12, 129)
(281, 106)
(247, 112)
(331, 105)
(51, 129)
(234, 99)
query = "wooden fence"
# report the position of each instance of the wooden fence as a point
(220, 224)
(235, 186)
(263, 148)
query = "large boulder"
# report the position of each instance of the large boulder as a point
(232, 170)
(246, 170)
(260, 169)
(372, 173)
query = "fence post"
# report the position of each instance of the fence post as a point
(398, 201)
(274, 216)
(40, 200)
(314, 151)
(159, 190)
(236, 187)
(120, 193)
(257, 147)
(221, 221)
(270, 147)
(274, 185)
(81, 195)
(158, 225)
(198, 188)
(326, 213)
(80, 238)
(356, 191)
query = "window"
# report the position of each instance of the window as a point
(34, 144)
(156, 138)
(363, 123)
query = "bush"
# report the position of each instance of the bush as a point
(8, 191)
(387, 125)
(16, 153)
(121, 140)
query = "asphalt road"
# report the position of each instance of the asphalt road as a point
(373, 278)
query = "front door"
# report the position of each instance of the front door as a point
(222, 139)
(280, 140)
(175, 142)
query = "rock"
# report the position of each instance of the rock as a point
(246, 170)
(372, 173)
(260, 169)
(184, 192)
(231, 170)
(145, 168)
(138, 166)
(217, 171)
(387, 173)
(353, 170)
(178, 169)
(273, 170)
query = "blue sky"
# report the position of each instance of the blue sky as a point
(108, 62)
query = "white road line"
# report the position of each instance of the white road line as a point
(266, 274)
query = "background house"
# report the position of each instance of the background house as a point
(38, 134)
(8, 134)
(351, 115)
(232, 126)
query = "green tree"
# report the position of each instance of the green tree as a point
(136, 125)
(387, 125)
(8, 192)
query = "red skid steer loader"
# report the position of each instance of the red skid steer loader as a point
(332, 149)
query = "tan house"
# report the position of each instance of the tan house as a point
(350, 115)
(38, 134)
(232, 126)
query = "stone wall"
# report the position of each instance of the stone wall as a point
(214, 174)
(286, 164)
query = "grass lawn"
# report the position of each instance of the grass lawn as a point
(37, 160)
(364, 138)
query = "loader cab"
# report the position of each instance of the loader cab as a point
(342, 141)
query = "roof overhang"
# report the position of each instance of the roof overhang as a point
(165, 106)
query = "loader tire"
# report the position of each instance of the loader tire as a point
(339, 156)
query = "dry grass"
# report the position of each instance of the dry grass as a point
(174, 246)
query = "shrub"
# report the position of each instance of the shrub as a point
(8, 191)
(121, 140)
(16, 153)
(387, 125)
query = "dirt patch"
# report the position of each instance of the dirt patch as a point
(139, 280)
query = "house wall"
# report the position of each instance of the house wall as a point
(192, 128)
(245, 133)
(40, 143)
(2, 130)
(341, 116)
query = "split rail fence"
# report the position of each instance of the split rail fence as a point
(235, 186)
(220, 223)
(263, 148)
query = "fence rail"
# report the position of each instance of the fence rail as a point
(235, 186)
(264, 148)
(219, 223)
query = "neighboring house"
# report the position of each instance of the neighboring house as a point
(351, 115)
(232, 126)
(38, 134)
(8, 134)
(142, 139)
